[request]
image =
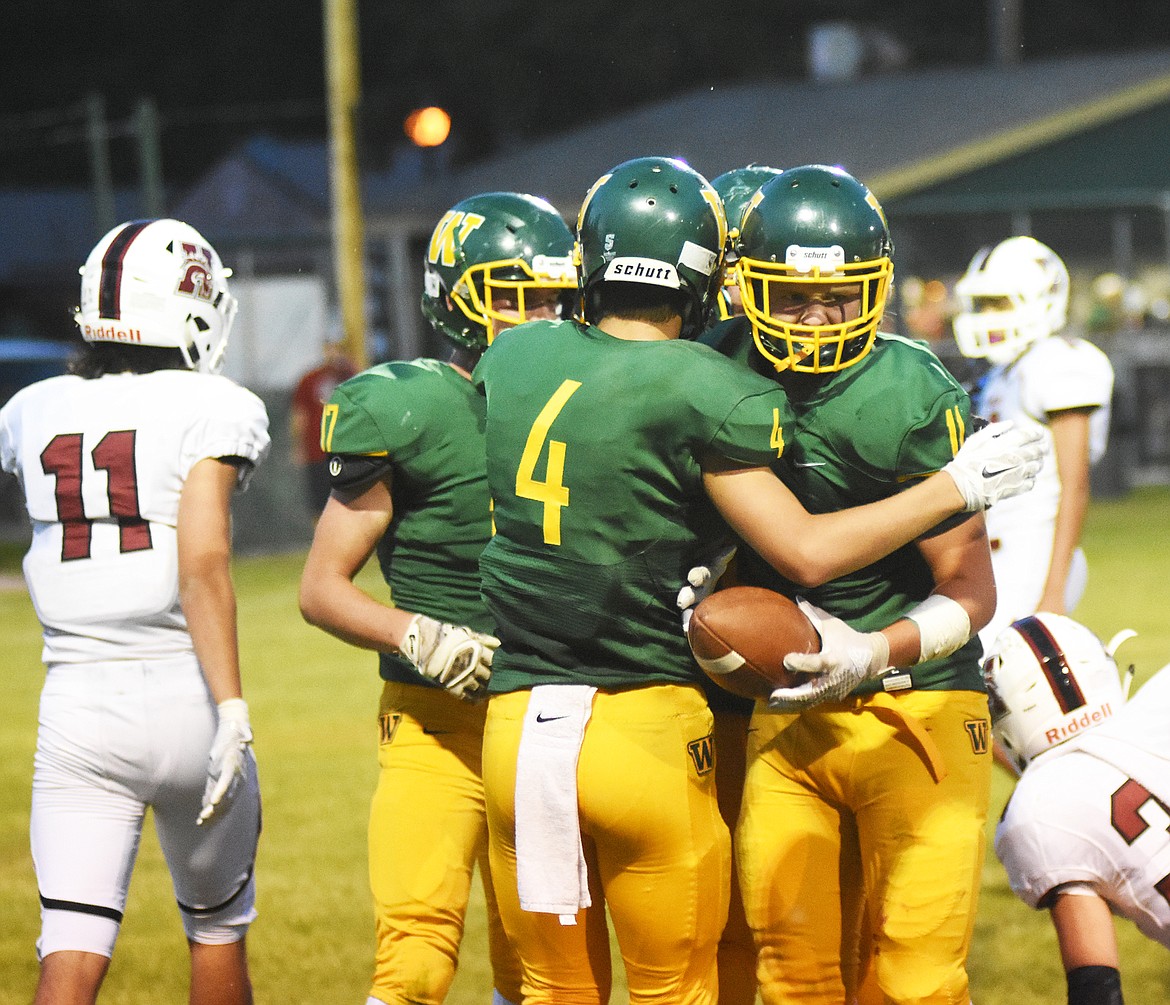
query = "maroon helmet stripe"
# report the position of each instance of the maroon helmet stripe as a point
(1052, 661)
(110, 288)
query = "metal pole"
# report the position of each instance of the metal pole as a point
(146, 129)
(101, 175)
(343, 82)
(1003, 17)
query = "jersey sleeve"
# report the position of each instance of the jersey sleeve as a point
(1041, 848)
(374, 414)
(745, 415)
(233, 425)
(934, 435)
(1064, 374)
(7, 440)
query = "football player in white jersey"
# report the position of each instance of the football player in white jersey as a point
(1014, 300)
(1085, 832)
(128, 465)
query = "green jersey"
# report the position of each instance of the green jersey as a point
(859, 435)
(422, 424)
(593, 450)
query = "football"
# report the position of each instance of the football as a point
(741, 635)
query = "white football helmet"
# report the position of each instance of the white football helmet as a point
(1049, 679)
(158, 283)
(1010, 296)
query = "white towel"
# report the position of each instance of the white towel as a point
(551, 876)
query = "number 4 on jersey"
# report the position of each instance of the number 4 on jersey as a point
(552, 490)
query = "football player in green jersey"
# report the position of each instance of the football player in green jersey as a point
(406, 447)
(866, 778)
(606, 437)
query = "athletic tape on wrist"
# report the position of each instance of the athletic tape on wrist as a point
(943, 626)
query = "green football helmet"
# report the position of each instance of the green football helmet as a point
(653, 221)
(496, 246)
(810, 228)
(735, 188)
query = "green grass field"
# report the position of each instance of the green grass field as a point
(313, 706)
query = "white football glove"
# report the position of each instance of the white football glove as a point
(456, 657)
(847, 658)
(702, 580)
(228, 758)
(999, 461)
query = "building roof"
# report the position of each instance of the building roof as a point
(901, 132)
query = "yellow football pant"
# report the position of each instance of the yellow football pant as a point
(886, 797)
(657, 849)
(737, 950)
(428, 831)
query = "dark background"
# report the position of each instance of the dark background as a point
(507, 70)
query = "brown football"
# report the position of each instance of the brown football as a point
(741, 635)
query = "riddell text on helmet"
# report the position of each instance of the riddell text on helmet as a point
(111, 333)
(1081, 722)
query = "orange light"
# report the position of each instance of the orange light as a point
(427, 127)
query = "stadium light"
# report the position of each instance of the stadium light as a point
(427, 127)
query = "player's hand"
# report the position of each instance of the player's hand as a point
(702, 580)
(999, 461)
(228, 758)
(847, 658)
(458, 658)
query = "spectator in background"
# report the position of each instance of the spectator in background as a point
(1014, 300)
(308, 402)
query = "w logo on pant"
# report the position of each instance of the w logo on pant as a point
(388, 725)
(702, 753)
(978, 730)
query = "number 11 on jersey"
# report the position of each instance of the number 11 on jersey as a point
(552, 490)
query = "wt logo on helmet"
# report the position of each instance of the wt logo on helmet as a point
(196, 280)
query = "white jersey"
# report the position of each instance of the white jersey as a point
(1053, 375)
(102, 463)
(1096, 811)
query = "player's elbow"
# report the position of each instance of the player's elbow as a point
(980, 610)
(311, 602)
(810, 579)
(808, 569)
